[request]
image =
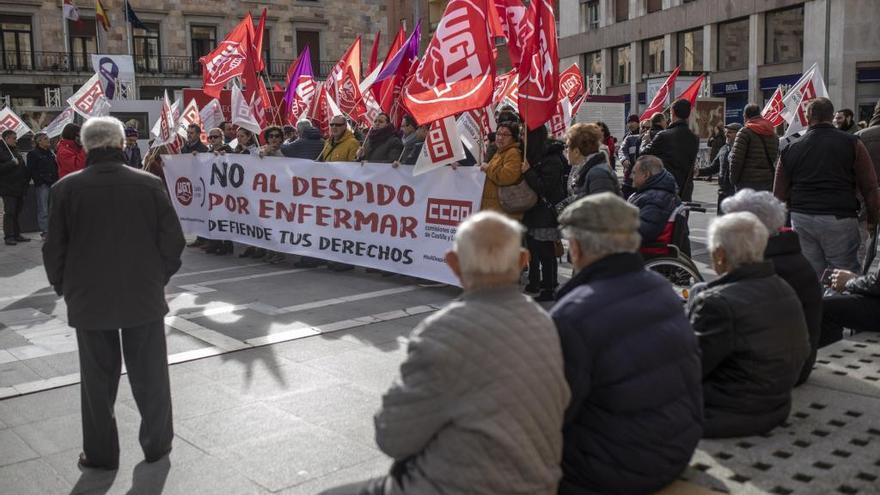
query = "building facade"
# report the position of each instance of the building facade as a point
(38, 56)
(747, 47)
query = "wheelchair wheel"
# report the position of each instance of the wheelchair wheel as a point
(680, 274)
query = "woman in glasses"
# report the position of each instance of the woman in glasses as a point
(504, 169)
(274, 138)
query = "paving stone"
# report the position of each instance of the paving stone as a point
(21, 316)
(16, 372)
(373, 368)
(225, 429)
(264, 383)
(371, 468)
(195, 396)
(52, 435)
(37, 407)
(33, 477)
(319, 346)
(13, 449)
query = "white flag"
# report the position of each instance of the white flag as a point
(561, 120)
(809, 87)
(442, 146)
(70, 11)
(166, 132)
(89, 100)
(243, 112)
(9, 120)
(156, 127)
(473, 126)
(211, 115)
(57, 125)
(190, 115)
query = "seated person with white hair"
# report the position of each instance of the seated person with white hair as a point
(751, 331)
(479, 403)
(784, 250)
(631, 359)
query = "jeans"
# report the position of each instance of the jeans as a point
(42, 192)
(828, 241)
(12, 206)
(854, 311)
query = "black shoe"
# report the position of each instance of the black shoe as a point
(545, 295)
(84, 462)
(19, 238)
(531, 289)
(247, 252)
(151, 459)
(10, 242)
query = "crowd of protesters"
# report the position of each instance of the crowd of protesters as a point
(608, 392)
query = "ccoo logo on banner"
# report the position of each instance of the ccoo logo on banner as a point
(374, 216)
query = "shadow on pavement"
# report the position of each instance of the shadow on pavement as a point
(150, 478)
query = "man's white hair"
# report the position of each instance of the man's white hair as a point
(302, 125)
(742, 235)
(488, 243)
(763, 204)
(102, 132)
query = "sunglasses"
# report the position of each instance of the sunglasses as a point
(214, 137)
(337, 125)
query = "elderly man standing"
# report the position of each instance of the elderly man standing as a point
(456, 422)
(752, 333)
(112, 272)
(631, 359)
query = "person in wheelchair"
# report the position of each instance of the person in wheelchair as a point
(658, 203)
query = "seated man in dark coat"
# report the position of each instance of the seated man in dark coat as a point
(631, 359)
(856, 306)
(656, 199)
(751, 330)
(784, 250)
(114, 242)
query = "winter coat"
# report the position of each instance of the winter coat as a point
(456, 422)
(308, 146)
(71, 157)
(593, 177)
(784, 250)
(545, 178)
(753, 155)
(344, 150)
(114, 242)
(754, 342)
(677, 147)
(42, 166)
(505, 169)
(132, 156)
(656, 200)
(411, 151)
(721, 166)
(198, 147)
(629, 152)
(871, 139)
(633, 365)
(382, 146)
(14, 173)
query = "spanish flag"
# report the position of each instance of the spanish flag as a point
(101, 15)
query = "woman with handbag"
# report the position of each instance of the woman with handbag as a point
(504, 170)
(543, 171)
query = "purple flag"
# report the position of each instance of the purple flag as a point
(409, 51)
(302, 66)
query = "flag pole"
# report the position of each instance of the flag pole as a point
(67, 53)
(128, 28)
(97, 34)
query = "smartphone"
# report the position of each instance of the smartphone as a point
(826, 277)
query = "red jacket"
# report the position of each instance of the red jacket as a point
(70, 156)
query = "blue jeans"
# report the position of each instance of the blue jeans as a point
(828, 241)
(42, 192)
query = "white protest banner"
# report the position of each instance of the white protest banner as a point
(372, 215)
(57, 125)
(9, 120)
(243, 112)
(211, 115)
(190, 115)
(442, 147)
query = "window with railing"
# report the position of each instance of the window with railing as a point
(784, 36)
(589, 15)
(653, 52)
(83, 43)
(203, 40)
(620, 62)
(16, 42)
(690, 50)
(593, 63)
(147, 49)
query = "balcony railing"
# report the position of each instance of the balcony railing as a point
(14, 62)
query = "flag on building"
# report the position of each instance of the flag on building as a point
(58, 123)
(9, 120)
(809, 87)
(89, 100)
(442, 146)
(658, 103)
(101, 16)
(449, 79)
(227, 60)
(773, 109)
(70, 11)
(133, 19)
(539, 68)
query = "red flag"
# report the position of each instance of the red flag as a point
(258, 42)
(692, 91)
(506, 86)
(774, 108)
(571, 83)
(658, 103)
(351, 58)
(322, 109)
(343, 82)
(518, 24)
(539, 68)
(277, 87)
(255, 91)
(374, 53)
(227, 60)
(302, 99)
(454, 76)
(294, 65)
(398, 42)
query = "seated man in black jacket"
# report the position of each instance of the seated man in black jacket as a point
(857, 307)
(751, 330)
(655, 198)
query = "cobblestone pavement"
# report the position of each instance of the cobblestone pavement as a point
(276, 372)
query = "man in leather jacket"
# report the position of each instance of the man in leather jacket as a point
(856, 306)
